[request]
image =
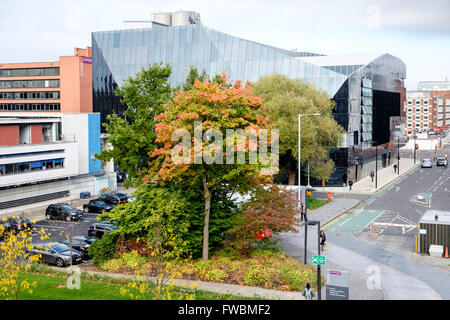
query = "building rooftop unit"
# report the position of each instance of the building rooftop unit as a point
(443, 217)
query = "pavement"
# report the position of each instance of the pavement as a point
(385, 176)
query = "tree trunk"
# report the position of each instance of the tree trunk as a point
(205, 251)
(291, 179)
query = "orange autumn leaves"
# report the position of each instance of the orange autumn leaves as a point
(216, 106)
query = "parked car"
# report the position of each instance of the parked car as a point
(81, 244)
(128, 196)
(440, 161)
(99, 229)
(63, 211)
(113, 198)
(121, 176)
(98, 206)
(19, 224)
(427, 163)
(56, 253)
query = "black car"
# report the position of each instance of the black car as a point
(63, 211)
(98, 229)
(440, 162)
(114, 198)
(81, 244)
(56, 253)
(98, 206)
(19, 224)
(121, 176)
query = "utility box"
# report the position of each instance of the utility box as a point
(436, 251)
(434, 230)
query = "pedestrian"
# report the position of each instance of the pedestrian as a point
(302, 211)
(372, 174)
(308, 293)
(323, 240)
(395, 168)
(350, 183)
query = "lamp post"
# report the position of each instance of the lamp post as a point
(415, 149)
(376, 164)
(299, 175)
(319, 280)
(398, 155)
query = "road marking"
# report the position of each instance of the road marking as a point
(397, 188)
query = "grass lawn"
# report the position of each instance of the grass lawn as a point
(52, 286)
(314, 203)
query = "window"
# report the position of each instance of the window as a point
(417, 110)
(409, 125)
(409, 109)
(417, 125)
(425, 110)
(417, 102)
(409, 102)
(409, 117)
(417, 117)
(425, 125)
(425, 102)
(425, 117)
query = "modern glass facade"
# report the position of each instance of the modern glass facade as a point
(352, 83)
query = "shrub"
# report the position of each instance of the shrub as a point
(133, 259)
(103, 249)
(257, 275)
(216, 275)
(113, 265)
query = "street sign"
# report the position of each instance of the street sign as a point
(318, 260)
(337, 285)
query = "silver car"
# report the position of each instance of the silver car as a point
(56, 253)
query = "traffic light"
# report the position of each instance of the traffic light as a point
(417, 146)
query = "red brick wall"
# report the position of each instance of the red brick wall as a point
(36, 133)
(9, 135)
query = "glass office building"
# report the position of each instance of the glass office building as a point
(368, 89)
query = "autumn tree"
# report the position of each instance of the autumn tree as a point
(283, 100)
(214, 108)
(132, 135)
(270, 209)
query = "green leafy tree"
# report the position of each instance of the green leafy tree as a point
(133, 135)
(192, 76)
(217, 107)
(283, 100)
(176, 209)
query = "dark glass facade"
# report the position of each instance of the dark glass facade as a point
(366, 93)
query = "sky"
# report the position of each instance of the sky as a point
(418, 32)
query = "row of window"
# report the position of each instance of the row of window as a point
(418, 117)
(30, 72)
(425, 110)
(425, 125)
(24, 167)
(29, 84)
(30, 107)
(418, 102)
(29, 95)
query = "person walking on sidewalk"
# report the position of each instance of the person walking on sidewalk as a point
(372, 174)
(395, 168)
(302, 212)
(323, 240)
(308, 293)
(350, 184)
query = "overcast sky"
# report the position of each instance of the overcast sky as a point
(418, 32)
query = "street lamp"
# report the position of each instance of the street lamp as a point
(398, 155)
(299, 174)
(415, 148)
(376, 163)
(319, 285)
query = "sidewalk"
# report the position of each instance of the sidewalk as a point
(385, 177)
